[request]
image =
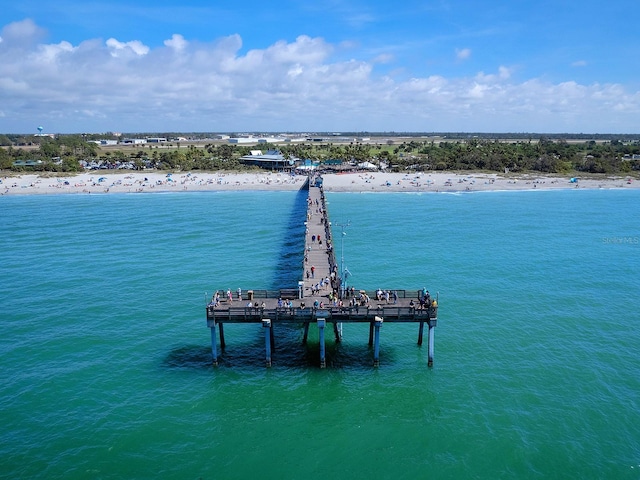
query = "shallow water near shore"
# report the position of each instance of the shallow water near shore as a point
(106, 365)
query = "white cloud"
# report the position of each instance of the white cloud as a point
(383, 58)
(295, 85)
(177, 42)
(463, 54)
(49, 53)
(22, 34)
(134, 46)
(504, 73)
(579, 63)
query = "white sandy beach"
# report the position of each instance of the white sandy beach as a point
(138, 182)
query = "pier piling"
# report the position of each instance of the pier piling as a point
(431, 343)
(376, 342)
(321, 324)
(266, 323)
(222, 342)
(337, 331)
(214, 347)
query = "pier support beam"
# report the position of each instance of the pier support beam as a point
(371, 334)
(223, 344)
(420, 333)
(337, 331)
(272, 338)
(214, 346)
(376, 341)
(305, 335)
(266, 323)
(432, 331)
(321, 324)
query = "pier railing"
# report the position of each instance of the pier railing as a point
(305, 314)
(292, 294)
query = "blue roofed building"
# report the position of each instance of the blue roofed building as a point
(272, 160)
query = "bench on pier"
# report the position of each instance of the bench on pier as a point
(289, 293)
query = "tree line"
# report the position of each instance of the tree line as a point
(71, 153)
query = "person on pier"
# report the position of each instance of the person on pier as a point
(215, 299)
(427, 299)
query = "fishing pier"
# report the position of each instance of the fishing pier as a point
(321, 297)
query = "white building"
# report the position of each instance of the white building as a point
(242, 140)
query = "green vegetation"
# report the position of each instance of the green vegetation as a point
(62, 154)
(544, 155)
(71, 153)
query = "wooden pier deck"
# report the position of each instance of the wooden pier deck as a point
(320, 297)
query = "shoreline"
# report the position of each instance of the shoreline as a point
(374, 182)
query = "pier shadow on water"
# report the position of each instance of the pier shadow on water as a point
(289, 352)
(291, 258)
(188, 357)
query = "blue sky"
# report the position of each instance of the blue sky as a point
(328, 65)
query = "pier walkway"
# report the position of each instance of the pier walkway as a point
(320, 298)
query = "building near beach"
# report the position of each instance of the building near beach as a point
(27, 163)
(272, 160)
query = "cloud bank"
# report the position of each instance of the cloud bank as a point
(182, 85)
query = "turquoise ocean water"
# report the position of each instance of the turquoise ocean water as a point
(105, 357)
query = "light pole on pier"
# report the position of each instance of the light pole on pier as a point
(343, 270)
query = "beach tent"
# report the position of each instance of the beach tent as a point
(306, 167)
(367, 166)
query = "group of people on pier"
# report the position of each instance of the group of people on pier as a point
(386, 296)
(424, 300)
(216, 297)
